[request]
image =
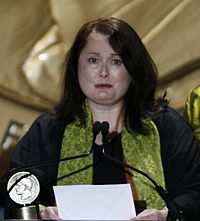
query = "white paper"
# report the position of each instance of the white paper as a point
(95, 202)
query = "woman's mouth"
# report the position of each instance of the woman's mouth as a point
(103, 85)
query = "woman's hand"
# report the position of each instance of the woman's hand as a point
(152, 214)
(50, 212)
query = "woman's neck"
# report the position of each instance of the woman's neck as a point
(110, 113)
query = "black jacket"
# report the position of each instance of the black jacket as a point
(180, 156)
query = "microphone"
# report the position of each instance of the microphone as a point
(172, 207)
(96, 129)
(104, 128)
(23, 186)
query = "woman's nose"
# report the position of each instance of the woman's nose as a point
(104, 72)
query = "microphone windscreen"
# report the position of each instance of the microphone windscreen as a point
(104, 127)
(96, 127)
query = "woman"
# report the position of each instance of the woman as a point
(111, 77)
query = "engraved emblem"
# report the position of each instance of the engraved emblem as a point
(26, 189)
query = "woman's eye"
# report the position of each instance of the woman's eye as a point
(92, 60)
(116, 61)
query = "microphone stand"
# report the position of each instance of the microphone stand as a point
(174, 211)
(45, 163)
(27, 212)
(96, 130)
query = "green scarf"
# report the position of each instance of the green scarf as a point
(140, 151)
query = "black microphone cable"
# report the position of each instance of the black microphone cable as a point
(30, 168)
(174, 211)
(33, 168)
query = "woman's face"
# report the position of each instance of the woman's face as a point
(102, 75)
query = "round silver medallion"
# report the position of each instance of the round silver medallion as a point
(26, 190)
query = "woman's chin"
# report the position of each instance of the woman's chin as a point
(105, 101)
